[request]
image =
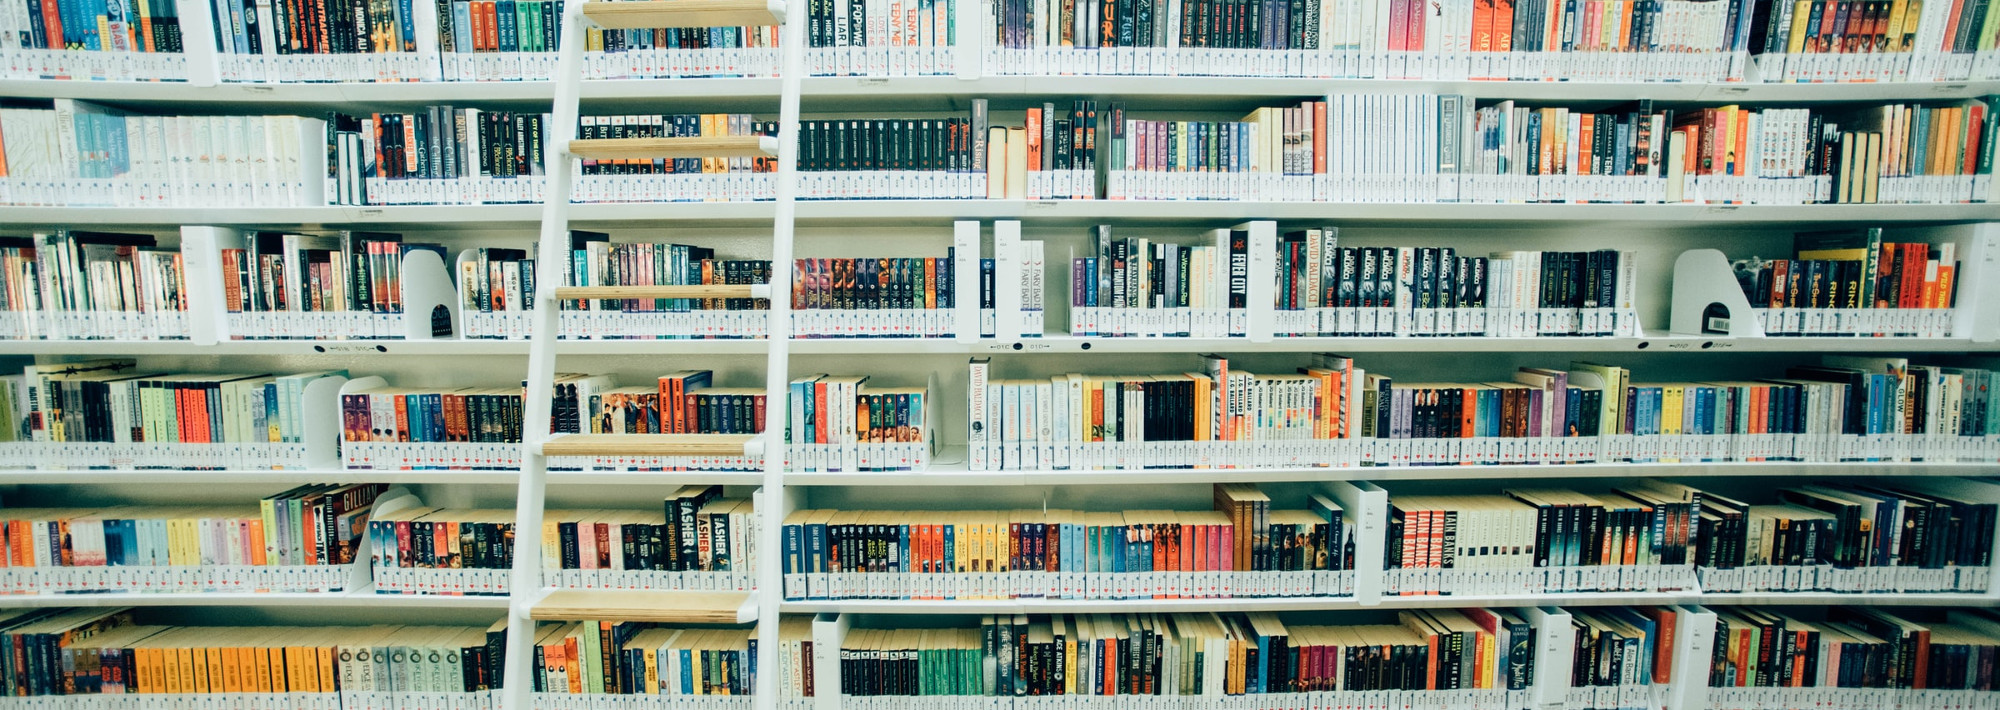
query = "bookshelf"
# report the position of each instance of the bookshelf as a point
(777, 227)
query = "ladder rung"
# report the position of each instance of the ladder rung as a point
(695, 147)
(657, 606)
(650, 445)
(694, 291)
(648, 14)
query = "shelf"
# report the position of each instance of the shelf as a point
(650, 148)
(1267, 604)
(377, 347)
(954, 473)
(1038, 212)
(281, 478)
(846, 92)
(1220, 213)
(364, 597)
(247, 477)
(1658, 342)
(1052, 343)
(654, 606)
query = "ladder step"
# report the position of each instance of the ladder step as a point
(694, 291)
(696, 147)
(648, 14)
(650, 445)
(672, 607)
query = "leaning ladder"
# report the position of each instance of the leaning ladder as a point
(529, 602)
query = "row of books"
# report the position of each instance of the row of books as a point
(1444, 148)
(1334, 414)
(1199, 656)
(1469, 654)
(624, 658)
(296, 541)
(1847, 537)
(1328, 290)
(73, 284)
(1851, 282)
(88, 155)
(1539, 540)
(1655, 536)
(442, 155)
(1376, 39)
(1863, 40)
(1366, 38)
(1241, 549)
(675, 179)
(887, 297)
(349, 284)
(105, 654)
(705, 542)
(841, 423)
(1347, 148)
(339, 286)
(1852, 647)
(856, 38)
(110, 412)
(485, 41)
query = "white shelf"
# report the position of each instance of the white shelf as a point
(507, 477)
(832, 90)
(1266, 604)
(364, 597)
(1045, 212)
(1660, 342)
(954, 474)
(454, 347)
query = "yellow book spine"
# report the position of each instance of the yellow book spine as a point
(260, 660)
(323, 664)
(229, 671)
(652, 671)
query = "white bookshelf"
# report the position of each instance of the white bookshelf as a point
(826, 228)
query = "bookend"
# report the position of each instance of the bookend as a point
(427, 288)
(1707, 299)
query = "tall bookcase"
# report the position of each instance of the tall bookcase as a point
(785, 226)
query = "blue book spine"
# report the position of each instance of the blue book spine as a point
(951, 553)
(461, 26)
(815, 558)
(406, 14)
(899, 561)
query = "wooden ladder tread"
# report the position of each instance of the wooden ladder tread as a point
(648, 14)
(692, 147)
(690, 291)
(672, 607)
(647, 445)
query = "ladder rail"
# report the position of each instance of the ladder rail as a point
(525, 580)
(777, 362)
